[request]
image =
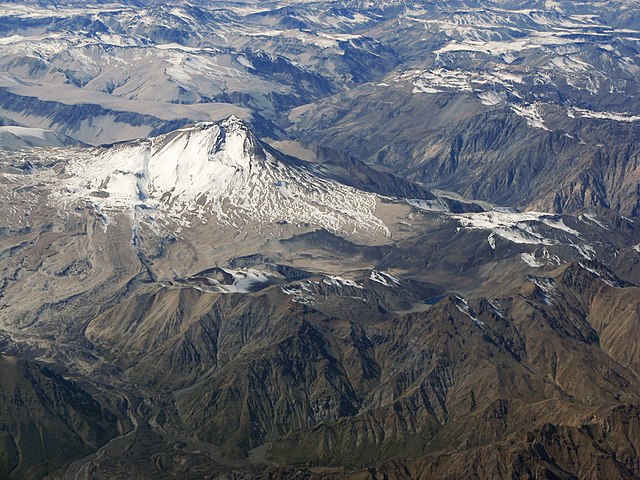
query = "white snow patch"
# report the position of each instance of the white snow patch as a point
(444, 80)
(216, 169)
(497, 310)
(618, 117)
(177, 46)
(598, 274)
(530, 259)
(384, 278)
(531, 113)
(593, 219)
(244, 61)
(558, 224)
(463, 306)
(340, 282)
(492, 240)
(547, 287)
(585, 250)
(513, 226)
(300, 293)
(491, 98)
(245, 280)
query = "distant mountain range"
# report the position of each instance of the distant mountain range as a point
(556, 86)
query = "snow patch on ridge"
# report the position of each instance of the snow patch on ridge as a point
(530, 259)
(440, 79)
(463, 306)
(547, 288)
(384, 278)
(515, 227)
(492, 240)
(531, 113)
(618, 117)
(245, 280)
(340, 282)
(305, 291)
(525, 228)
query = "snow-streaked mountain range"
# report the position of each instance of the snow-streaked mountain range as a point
(318, 239)
(194, 62)
(151, 270)
(363, 79)
(220, 172)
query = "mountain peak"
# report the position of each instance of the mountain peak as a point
(217, 170)
(230, 123)
(228, 142)
(234, 121)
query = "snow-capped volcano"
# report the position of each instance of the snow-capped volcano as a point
(216, 170)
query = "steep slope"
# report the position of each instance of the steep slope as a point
(46, 422)
(481, 152)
